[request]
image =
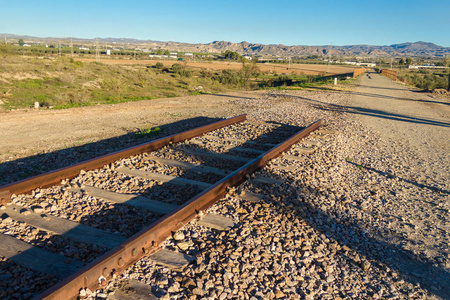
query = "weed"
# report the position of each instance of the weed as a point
(148, 132)
(175, 115)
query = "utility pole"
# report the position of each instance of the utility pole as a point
(329, 53)
(59, 48)
(71, 46)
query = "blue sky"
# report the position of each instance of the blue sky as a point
(375, 22)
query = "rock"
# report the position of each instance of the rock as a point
(178, 236)
(163, 281)
(279, 294)
(189, 283)
(82, 293)
(6, 219)
(183, 246)
(37, 209)
(241, 211)
(25, 212)
(366, 265)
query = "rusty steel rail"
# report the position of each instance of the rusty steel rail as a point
(150, 238)
(55, 177)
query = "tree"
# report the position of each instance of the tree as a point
(21, 42)
(231, 55)
(447, 64)
(248, 70)
(408, 61)
(401, 61)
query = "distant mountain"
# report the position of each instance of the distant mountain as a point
(404, 49)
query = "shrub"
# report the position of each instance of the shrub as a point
(159, 65)
(181, 70)
(229, 76)
(206, 74)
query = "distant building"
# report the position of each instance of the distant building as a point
(173, 53)
(83, 48)
(427, 67)
(188, 54)
(247, 57)
(370, 65)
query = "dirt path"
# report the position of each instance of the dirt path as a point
(410, 148)
(409, 117)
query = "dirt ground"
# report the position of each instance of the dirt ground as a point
(29, 132)
(407, 115)
(307, 69)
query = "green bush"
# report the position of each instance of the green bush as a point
(181, 70)
(159, 65)
(428, 82)
(229, 76)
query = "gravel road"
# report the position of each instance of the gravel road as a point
(410, 117)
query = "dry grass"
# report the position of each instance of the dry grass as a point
(298, 69)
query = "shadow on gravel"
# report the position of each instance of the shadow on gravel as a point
(434, 189)
(23, 168)
(369, 112)
(338, 225)
(118, 218)
(378, 96)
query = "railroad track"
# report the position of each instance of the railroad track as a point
(85, 224)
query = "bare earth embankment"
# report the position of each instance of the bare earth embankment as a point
(364, 217)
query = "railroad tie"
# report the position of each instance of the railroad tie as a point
(294, 157)
(133, 290)
(321, 133)
(283, 167)
(216, 155)
(251, 197)
(303, 150)
(267, 180)
(217, 222)
(174, 260)
(234, 148)
(162, 177)
(210, 220)
(241, 141)
(189, 166)
(64, 227)
(36, 258)
(128, 199)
